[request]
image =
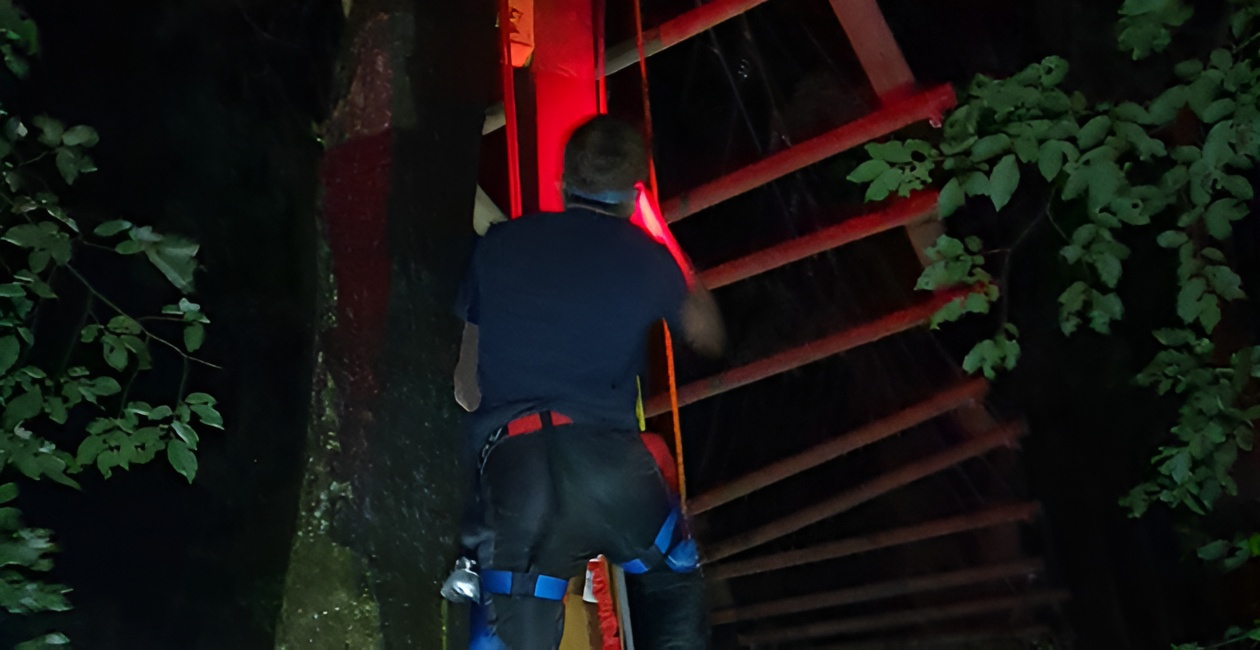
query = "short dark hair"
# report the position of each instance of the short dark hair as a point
(604, 155)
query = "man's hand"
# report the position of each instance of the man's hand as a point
(702, 323)
(467, 392)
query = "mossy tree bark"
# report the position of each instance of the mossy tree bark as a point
(380, 499)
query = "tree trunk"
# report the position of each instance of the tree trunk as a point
(378, 513)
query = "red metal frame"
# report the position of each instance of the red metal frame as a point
(509, 109)
(879, 591)
(876, 49)
(1004, 435)
(995, 516)
(673, 32)
(918, 207)
(927, 105)
(565, 88)
(905, 618)
(936, 639)
(935, 406)
(810, 352)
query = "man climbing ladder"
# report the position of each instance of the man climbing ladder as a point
(558, 308)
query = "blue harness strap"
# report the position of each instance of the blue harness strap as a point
(681, 557)
(536, 585)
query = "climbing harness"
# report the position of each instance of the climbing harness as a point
(527, 585)
(671, 547)
(521, 426)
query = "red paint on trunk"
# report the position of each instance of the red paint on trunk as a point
(356, 180)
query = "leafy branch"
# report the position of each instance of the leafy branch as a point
(81, 401)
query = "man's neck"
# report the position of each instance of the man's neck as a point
(617, 211)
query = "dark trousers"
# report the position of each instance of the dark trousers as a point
(557, 497)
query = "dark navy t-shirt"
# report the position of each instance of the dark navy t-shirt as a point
(564, 303)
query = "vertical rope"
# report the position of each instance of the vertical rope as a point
(601, 66)
(673, 407)
(652, 185)
(509, 107)
(647, 103)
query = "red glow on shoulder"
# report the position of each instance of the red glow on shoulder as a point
(647, 216)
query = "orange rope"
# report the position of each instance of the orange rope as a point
(647, 104)
(669, 343)
(673, 405)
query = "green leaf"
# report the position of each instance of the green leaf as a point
(982, 356)
(8, 492)
(1130, 112)
(89, 333)
(174, 255)
(1221, 59)
(1105, 179)
(976, 184)
(68, 163)
(1172, 239)
(9, 351)
(194, 335)
(1214, 551)
(114, 352)
(1053, 70)
(1188, 299)
(868, 171)
(1221, 215)
(208, 415)
(1209, 312)
(56, 408)
(1004, 181)
(1188, 69)
(25, 235)
(80, 135)
(1105, 308)
(105, 386)
(1218, 110)
(1026, 147)
(129, 247)
(1146, 146)
(185, 433)
(1165, 107)
(24, 407)
(1072, 300)
(200, 398)
(951, 198)
(1050, 158)
(1109, 268)
(1225, 282)
(50, 130)
(893, 152)
(53, 640)
(182, 459)
(990, 146)
(89, 449)
(1201, 93)
(111, 228)
(1239, 186)
(1093, 132)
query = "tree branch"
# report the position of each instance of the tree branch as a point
(121, 312)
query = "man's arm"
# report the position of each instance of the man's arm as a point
(467, 392)
(702, 322)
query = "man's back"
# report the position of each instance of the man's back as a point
(564, 303)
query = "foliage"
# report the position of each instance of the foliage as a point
(1110, 174)
(1233, 635)
(65, 387)
(1113, 173)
